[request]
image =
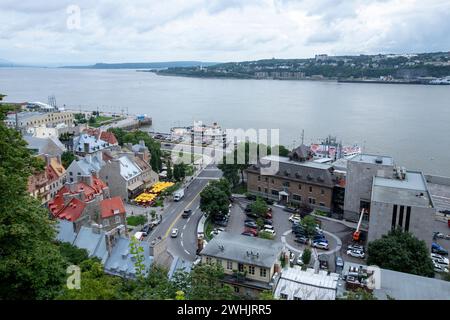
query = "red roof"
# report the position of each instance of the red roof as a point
(73, 210)
(111, 207)
(108, 137)
(98, 184)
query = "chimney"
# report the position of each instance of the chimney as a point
(86, 147)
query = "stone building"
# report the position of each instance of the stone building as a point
(297, 180)
(249, 263)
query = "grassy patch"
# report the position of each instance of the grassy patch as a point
(136, 220)
(207, 229)
(321, 213)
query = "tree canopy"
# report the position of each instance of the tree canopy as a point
(31, 265)
(401, 251)
(214, 199)
(134, 137)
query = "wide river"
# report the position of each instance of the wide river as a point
(409, 122)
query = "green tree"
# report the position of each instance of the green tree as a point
(179, 171)
(2, 96)
(266, 295)
(306, 256)
(67, 158)
(259, 207)
(358, 294)
(282, 151)
(72, 254)
(310, 224)
(214, 201)
(31, 265)
(401, 251)
(137, 252)
(95, 285)
(204, 283)
(134, 137)
(92, 120)
(230, 172)
(169, 171)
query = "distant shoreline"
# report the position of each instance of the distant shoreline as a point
(414, 82)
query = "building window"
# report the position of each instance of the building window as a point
(263, 272)
(283, 296)
(394, 217)
(259, 178)
(266, 179)
(241, 267)
(219, 261)
(322, 204)
(265, 190)
(106, 222)
(275, 192)
(299, 186)
(286, 184)
(400, 217)
(208, 260)
(230, 265)
(236, 289)
(296, 197)
(297, 298)
(70, 173)
(310, 189)
(322, 191)
(251, 270)
(273, 181)
(312, 200)
(408, 216)
(117, 219)
(259, 189)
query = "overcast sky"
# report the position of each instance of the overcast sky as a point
(49, 31)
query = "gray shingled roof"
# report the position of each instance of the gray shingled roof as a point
(249, 250)
(308, 171)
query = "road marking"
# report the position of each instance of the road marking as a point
(207, 178)
(184, 227)
(182, 243)
(186, 251)
(179, 215)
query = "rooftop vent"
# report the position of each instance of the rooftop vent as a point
(379, 160)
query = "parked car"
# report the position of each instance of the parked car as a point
(174, 233)
(289, 209)
(248, 234)
(253, 231)
(320, 239)
(355, 247)
(250, 220)
(339, 262)
(436, 248)
(139, 236)
(251, 197)
(268, 221)
(356, 254)
(186, 213)
(251, 225)
(252, 215)
(268, 226)
(268, 215)
(270, 231)
(438, 257)
(294, 217)
(439, 268)
(321, 245)
(248, 208)
(269, 201)
(299, 260)
(301, 240)
(146, 229)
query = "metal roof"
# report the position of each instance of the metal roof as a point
(249, 250)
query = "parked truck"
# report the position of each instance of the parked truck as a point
(178, 195)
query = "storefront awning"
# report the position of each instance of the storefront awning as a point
(135, 185)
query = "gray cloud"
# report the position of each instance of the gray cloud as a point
(219, 30)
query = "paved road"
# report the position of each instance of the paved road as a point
(185, 244)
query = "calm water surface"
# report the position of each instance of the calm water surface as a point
(411, 123)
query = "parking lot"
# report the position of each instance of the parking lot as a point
(338, 235)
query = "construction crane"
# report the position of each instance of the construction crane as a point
(357, 233)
